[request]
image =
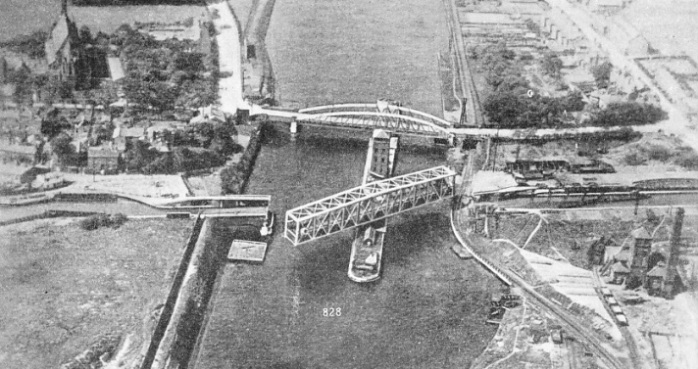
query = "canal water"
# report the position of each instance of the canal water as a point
(299, 309)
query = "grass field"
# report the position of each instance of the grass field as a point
(19, 17)
(64, 288)
(108, 18)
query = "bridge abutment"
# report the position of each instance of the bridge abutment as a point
(293, 128)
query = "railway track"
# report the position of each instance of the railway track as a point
(624, 331)
(566, 320)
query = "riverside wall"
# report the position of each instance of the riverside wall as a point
(175, 348)
(172, 298)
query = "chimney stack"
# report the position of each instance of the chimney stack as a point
(670, 289)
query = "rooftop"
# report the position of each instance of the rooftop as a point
(102, 152)
(641, 233)
(491, 18)
(116, 71)
(618, 267)
(58, 37)
(658, 271)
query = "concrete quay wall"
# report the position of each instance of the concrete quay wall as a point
(172, 298)
(178, 341)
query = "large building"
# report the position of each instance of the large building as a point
(61, 48)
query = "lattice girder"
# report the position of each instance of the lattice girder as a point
(403, 124)
(400, 110)
(368, 203)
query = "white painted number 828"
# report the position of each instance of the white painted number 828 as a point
(332, 312)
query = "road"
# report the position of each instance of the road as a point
(677, 123)
(229, 57)
(473, 110)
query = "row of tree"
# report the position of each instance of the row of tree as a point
(165, 74)
(199, 146)
(511, 103)
(31, 45)
(234, 177)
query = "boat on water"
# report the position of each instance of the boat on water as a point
(367, 248)
(367, 253)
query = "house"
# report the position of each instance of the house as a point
(209, 113)
(61, 47)
(596, 254)
(103, 159)
(606, 6)
(619, 273)
(655, 279)
(123, 136)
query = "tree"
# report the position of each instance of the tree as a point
(573, 101)
(58, 90)
(62, 147)
(629, 113)
(139, 154)
(532, 26)
(504, 108)
(602, 74)
(148, 93)
(202, 133)
(190, 62)
(551, 65)
(32, 45)
(85, 35)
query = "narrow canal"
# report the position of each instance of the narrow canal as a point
(428, 310)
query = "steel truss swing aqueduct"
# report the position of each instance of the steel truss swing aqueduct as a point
(368, 203)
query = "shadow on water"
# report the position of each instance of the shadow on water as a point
(413, 233)
(321, 267)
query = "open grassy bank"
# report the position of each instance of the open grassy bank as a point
(65, 288)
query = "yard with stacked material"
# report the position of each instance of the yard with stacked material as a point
(66, 290)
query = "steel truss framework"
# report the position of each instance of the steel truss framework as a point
(378, 108)
(368, 203)
(373, 120)
(366, 116)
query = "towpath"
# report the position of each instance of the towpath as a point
(229, 56)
